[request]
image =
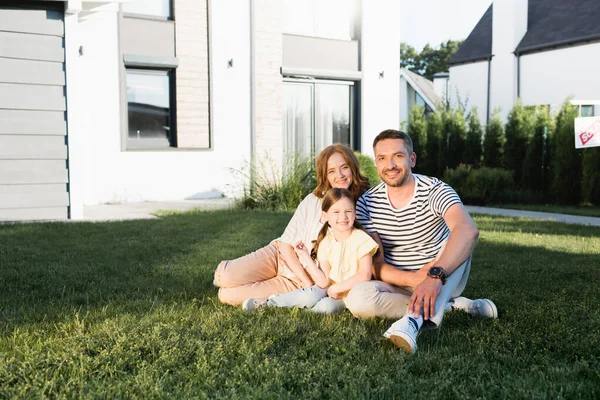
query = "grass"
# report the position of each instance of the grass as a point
(128, 310)
(586, 211)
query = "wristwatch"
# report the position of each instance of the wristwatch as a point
(437, 273)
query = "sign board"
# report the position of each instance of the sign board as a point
(587, 132)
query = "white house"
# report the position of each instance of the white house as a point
(542, 51)
(416, 89)
(121, 101)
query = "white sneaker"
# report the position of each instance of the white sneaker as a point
(484, 308)
(252, 304)
(403, 333)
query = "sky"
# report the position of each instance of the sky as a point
(436, 21)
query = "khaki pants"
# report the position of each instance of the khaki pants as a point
(259, 274)
(380, 299)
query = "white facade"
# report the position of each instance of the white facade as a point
(551, 77)
(246, 85)
(469, 86)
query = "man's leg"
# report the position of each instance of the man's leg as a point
(377, 299)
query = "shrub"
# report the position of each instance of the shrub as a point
(517, 132)
(492, 142)
(566, 165)
(429, 162)
(480, 186)
(368, 168)
(535, 165)
(590, 181)
(267, 191)
(457, 137)
(417, 130)
(473, 150)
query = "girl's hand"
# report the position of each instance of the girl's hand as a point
(301, 249)
(334, 292)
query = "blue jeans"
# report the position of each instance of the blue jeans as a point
(314, 298)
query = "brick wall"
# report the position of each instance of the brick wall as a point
(192, 78)
(267, 81)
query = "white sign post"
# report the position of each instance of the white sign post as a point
(587, 129)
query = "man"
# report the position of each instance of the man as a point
(427, 239)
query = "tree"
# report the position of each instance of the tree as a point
(566, 165)
(517, 133)
(473, 149)
(429, 164)
(535, 165)
(417, 130)
(590, 179)
(430, 60)
(457, 139)
(492, 142)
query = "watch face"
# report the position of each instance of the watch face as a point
(435, 271)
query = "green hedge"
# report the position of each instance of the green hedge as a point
(481, 186)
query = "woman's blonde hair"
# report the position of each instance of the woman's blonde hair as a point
(359, 185)
(331, 197)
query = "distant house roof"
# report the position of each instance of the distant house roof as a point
(553, 23)
(478, 46)
(423, 86)
(550, 23)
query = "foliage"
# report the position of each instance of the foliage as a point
(429, 164)
(417, 130)
(264, 189)
(473, 149)
(566, 163)
(518, 130)
(368, 168)
(536, 167)
(480, 186)
(86, 316)
(590, 180)
(492, 142)
(430, 60)
(457, 138)
(445, 133)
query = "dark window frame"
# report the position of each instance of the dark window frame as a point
(147, 144)
(170, 17)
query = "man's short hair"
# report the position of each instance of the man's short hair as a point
(394, 134)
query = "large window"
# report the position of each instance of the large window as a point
(150, 111)
(153, 8)
(317, 114)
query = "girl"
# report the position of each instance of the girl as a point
(345, 257)
(275, 268)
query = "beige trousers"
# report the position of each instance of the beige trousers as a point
(380, 299)
(259, 274)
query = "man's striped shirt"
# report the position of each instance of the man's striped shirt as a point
(413, 235)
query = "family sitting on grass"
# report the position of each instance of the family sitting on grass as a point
(412, 265)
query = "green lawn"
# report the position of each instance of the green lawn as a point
(128, 310)
(586, 211)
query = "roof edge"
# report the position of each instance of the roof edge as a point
(557, 43)
(471, 61)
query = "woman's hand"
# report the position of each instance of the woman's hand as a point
(301, 250)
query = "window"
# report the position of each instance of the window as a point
(420, 101)
(154, 8)
(317, 114)
(587, 111)
(150, 109)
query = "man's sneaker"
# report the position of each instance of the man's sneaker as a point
(403, 333)
(252, 304)
(484, 308)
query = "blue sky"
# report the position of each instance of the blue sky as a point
(436, 21)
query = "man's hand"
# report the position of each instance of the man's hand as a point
(334, 292)
(424, 297)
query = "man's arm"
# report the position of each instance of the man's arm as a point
(461, 242)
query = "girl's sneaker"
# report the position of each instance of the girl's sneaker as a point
(253, 304)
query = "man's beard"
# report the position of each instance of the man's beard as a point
(398, 181)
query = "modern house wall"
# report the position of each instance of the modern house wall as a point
(469, 85)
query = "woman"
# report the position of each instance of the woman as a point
(275, 268)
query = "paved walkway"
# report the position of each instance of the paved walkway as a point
(145, 210)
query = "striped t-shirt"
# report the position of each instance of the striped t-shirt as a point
(413, 235)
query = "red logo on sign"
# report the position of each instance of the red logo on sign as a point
(587, 135)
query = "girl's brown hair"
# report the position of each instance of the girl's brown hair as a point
(359, 185)
(331, 197)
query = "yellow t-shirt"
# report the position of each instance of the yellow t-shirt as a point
(343, 256)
